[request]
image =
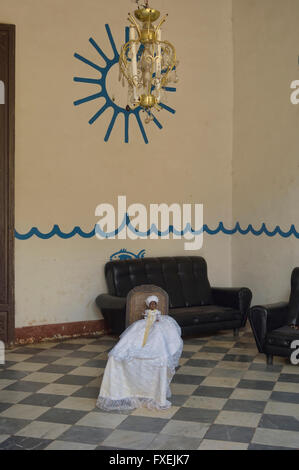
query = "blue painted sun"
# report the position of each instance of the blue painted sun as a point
(109, 102)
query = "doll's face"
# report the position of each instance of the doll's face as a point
(153, 305)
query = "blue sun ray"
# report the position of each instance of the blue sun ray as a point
(158, 124)
(170, 110)
(98, 113)
(169, 88)
(96, 81)
(88, 62)
(141, 128)
(116, 55)
(140, 51)
(111, 125)
(126, 115)
(155, 120)
(127, 34)
(88, 98)
(99, 50)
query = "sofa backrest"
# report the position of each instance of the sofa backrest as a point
(184, 278)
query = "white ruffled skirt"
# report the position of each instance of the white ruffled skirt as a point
(138, 376)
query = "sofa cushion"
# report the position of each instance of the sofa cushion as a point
(203, 314)
(282, 337)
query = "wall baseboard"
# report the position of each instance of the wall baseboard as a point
(36, 334)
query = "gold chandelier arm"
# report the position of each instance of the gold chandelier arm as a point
(172, 64)
(161, 22)
(134, 23)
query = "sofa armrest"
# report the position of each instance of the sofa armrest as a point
(234, 297)
(111, 302)
(114, 312)
(266, 318)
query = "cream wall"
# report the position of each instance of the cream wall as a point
(64, 169)
(266, 141)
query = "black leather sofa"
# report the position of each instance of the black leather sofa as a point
(271, 323)
(193, 303)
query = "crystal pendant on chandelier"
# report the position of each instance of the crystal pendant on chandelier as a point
(147, 62)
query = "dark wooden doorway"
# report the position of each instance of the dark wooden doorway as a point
(7, 131)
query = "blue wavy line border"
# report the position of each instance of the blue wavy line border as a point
(34, 231)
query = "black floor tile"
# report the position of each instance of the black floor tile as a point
(74, 380)
(69, 346)
(98, 363)
(25, 386)
(87, 392)
(221, 432)
(215, 392)
(24, 443)
(195, 341)
(265, 368)
(250, 406)
(86, 434)
(13, 374)
(43, 359)
(43, 399)
(6, 366)
(214, 349)
(57, 369)
(4, 406)
(196, 414)
(256, 384)
(83, 354)
(187, 354)
(178, 400)
(28, 350)
(188, 379)
(286, 423)
(143, 424)
(238, 358)
(12, 425)
(285, 397)
(61, 415)
(201, 363)
(290, 378)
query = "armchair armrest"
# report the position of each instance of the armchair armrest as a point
(234, 297)
(114, 311)
(265, 318)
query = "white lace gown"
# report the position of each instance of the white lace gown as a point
(137, 375)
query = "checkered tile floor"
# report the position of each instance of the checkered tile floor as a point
(224, 397)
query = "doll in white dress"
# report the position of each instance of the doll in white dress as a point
(142, 364)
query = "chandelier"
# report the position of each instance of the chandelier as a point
(147, 63)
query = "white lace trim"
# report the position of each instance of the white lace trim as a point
(130, 403)
(171, 361)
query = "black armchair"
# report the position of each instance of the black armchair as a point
(271, 324)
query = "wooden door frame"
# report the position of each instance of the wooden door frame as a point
(10, 96)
